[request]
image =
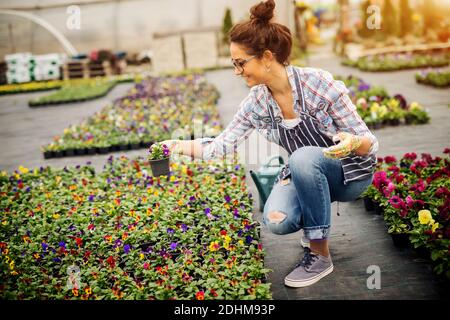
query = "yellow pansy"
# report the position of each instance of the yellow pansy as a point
(56, 216)
(4, 174)
(172, 178)
(23, 169)
(415, 106)
(425, 216)
(214, 246)
(156, 193)
(434, 226)
(141, 256)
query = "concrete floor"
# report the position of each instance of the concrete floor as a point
(359, 239)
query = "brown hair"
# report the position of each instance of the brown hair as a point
(259, 34)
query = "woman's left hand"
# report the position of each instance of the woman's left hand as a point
(347, 144)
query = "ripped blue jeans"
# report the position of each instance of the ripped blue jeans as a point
(304, 199)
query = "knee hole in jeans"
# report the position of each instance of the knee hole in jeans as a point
(276, 217)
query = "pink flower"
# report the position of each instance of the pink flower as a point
(146, 266)
(418, 187)
(397, 202)
(389, 189)
(409, 202)
(380, 179)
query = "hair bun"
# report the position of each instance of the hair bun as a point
(262, 12)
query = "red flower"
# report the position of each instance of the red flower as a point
(223, 233)
(79, 241)
(399, 178)
(91, 226)
(390, 159)
(111, 261)
(442, 192)
(447, 150)
(410, 156)
(200, 295)
(213, 292)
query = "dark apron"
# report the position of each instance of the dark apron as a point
(306, 134)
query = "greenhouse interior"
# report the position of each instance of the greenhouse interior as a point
(130, 167)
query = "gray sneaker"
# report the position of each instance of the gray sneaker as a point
(311, 269)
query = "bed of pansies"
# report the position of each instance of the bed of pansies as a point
(129, 235)
(153, 110)
(413, 194)
(393, 62)
(30, 87)
(378, 109)
(78, 90)
(434, 77)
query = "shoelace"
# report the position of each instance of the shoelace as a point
(307, 259)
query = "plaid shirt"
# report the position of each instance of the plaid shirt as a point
(326, 100)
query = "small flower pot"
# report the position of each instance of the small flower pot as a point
(378, 209)
(394, 122)
(48, 154)
(58, 154)
(369, 204)
(69, 152)
(80, 152)
(103, 150)
(135, 146)
(160, 167)
(401, 240)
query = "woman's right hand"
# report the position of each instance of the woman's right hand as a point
(173, 145)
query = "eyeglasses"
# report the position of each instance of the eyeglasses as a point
(239, 64)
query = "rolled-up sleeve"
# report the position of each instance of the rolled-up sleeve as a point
(237, 131)
(343, 111)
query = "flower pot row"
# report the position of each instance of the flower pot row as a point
(155, 108)
(413, 196)
(38, 103)
(48, 154)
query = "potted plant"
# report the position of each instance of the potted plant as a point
(159, 159)
(399, 232)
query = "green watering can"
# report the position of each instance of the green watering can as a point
(265, 177)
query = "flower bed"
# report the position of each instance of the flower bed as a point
(30, 87)
(80, 90)
(414, 197)
(378, 109)
(130, 236)
(152, 111)
(435, 78)
(393, 62)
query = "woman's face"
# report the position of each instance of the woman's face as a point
(251, 68)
